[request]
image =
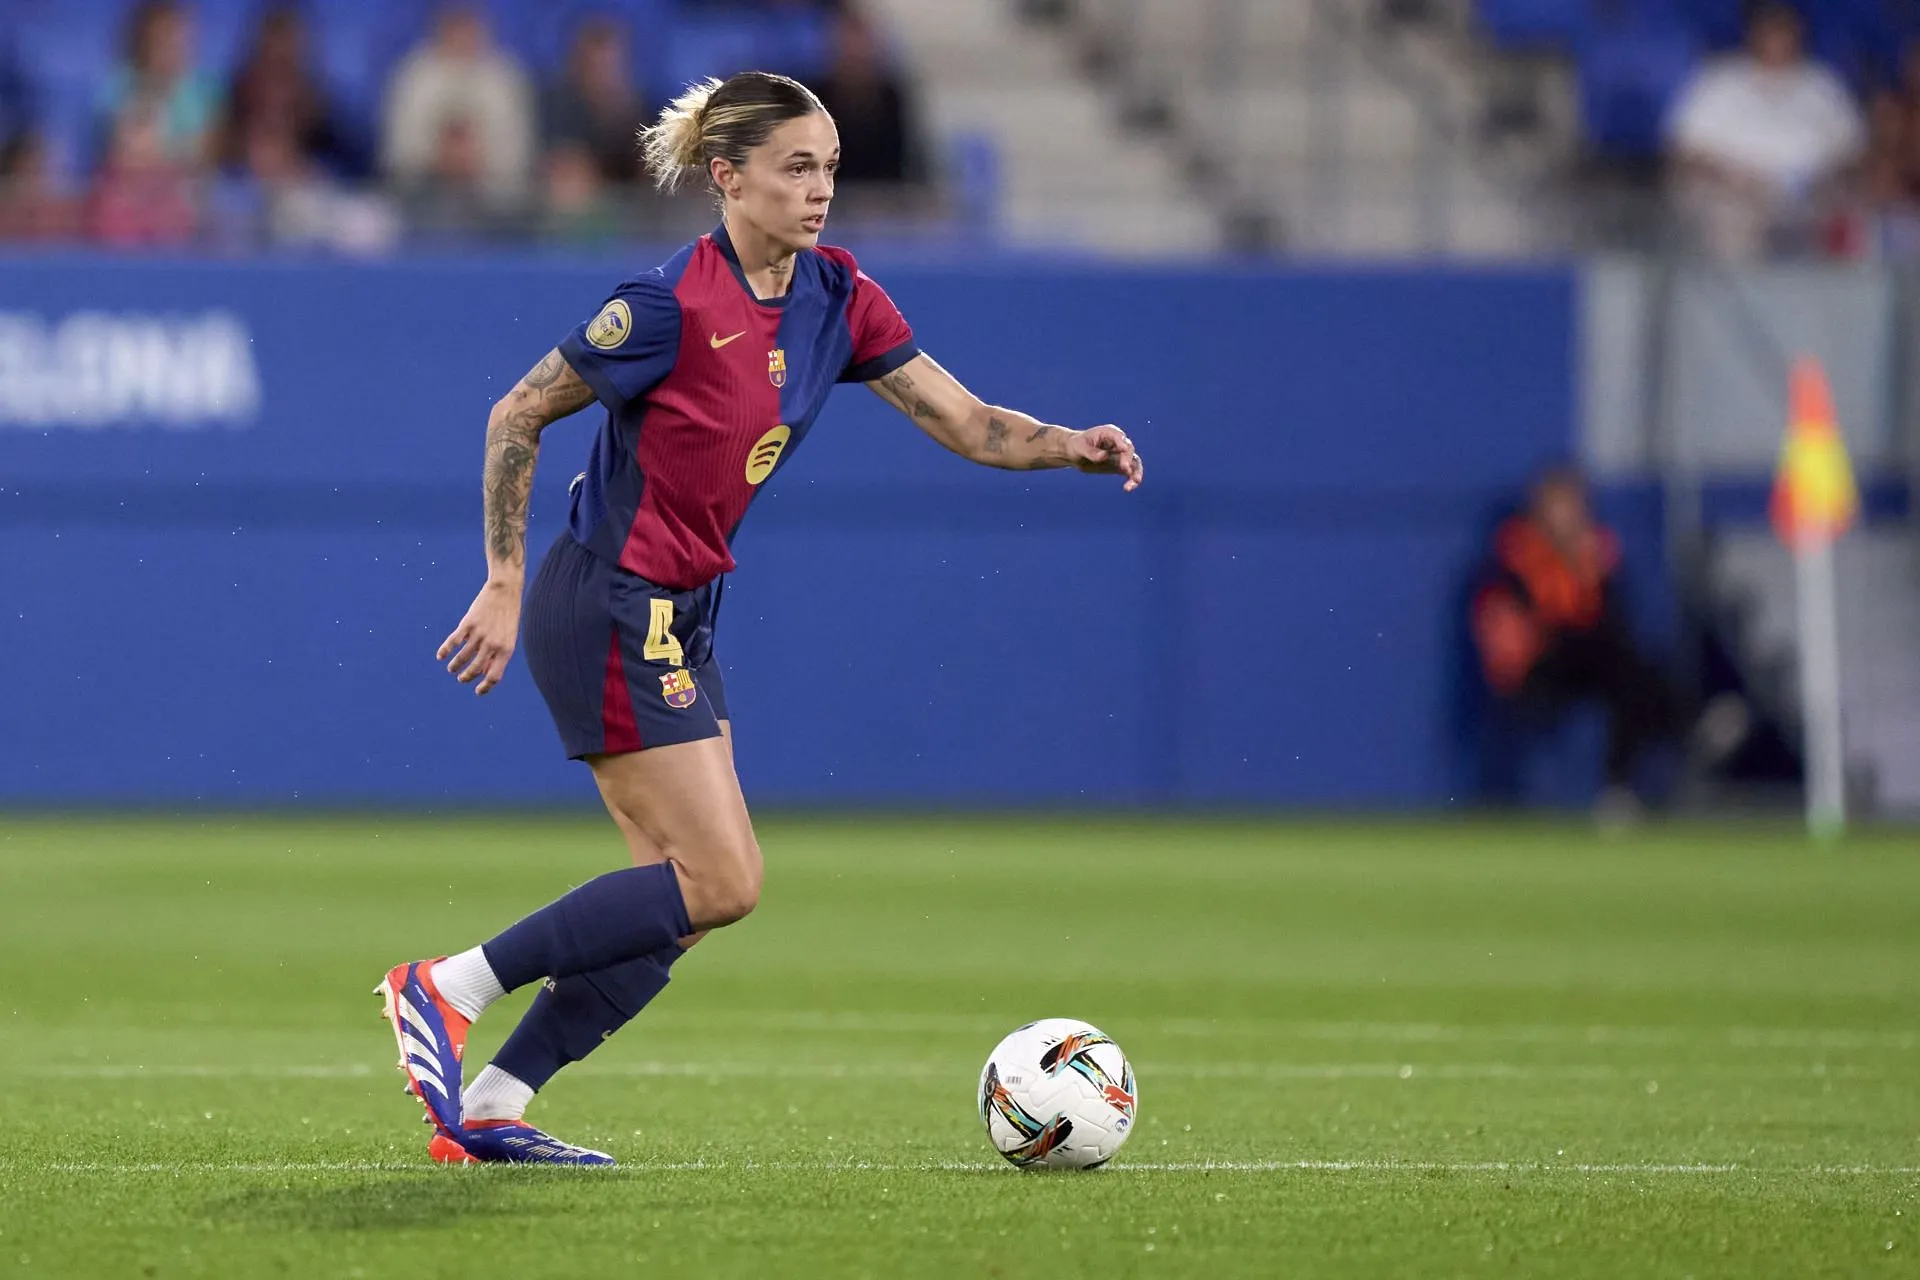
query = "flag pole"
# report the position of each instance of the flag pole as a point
(1814, 502)
(1820, 688)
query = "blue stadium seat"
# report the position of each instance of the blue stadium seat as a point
(711, 46)
(1629, 79)
(542, 34)
(356, 46)
(224, 33)
(1524, 25)
(66, 53)
(1719, 24)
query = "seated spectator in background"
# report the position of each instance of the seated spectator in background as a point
(1890, 183)
(1552, 632)
(594, 103)
(575, 206)
(457, 103)
(1758, 139)
(143, 194)
(274, 90)
(278, 197)
(158, 82)
(449, 202)
(31, 206)
(878, 141)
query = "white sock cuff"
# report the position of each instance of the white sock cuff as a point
(467, 982)
(495, 1095)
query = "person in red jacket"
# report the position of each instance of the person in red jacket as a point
(1552, 632)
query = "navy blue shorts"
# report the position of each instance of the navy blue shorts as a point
(623, 664)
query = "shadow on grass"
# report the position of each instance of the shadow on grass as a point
(405, 1202)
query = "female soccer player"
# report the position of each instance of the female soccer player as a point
(712, 369)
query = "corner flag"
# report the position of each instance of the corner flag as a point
(1814, 496)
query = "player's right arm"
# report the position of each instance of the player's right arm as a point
(482, 644)
(615, 358)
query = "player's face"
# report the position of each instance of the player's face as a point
(787, 182)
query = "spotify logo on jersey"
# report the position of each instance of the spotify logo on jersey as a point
(765, 453)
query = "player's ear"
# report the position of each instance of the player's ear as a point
(724, 175)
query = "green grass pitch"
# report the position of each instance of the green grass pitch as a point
(1363, 1050)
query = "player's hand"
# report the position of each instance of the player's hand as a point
(482, 644)
(1106, 451)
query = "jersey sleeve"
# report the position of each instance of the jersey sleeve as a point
(630, 344)
(882, 339)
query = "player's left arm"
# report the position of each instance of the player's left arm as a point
(993, 436)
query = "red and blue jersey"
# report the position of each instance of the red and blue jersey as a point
(708, 392)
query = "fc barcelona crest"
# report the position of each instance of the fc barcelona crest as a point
(777, 366)
(677, 688)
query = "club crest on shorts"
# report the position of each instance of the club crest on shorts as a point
(777, 366)
(677, 688)
(611, 327)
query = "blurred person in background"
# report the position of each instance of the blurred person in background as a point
(1552, 632)
(594, 103)
(1759, 139)
(274, 90)
(450, 202)
(1888, 216)
(32, 207)
(158, 82)
(576, 208)
(280, 198)
(144, 194)
(460, 116)
(870, 104)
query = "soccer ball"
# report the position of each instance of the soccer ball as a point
(1057, 1094)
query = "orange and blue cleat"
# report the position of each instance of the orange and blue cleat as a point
(432, 1036)
(509, 1142)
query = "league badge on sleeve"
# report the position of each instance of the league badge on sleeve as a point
(777, 366)
(678, 689)
(611, 327)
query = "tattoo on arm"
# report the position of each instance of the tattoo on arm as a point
(512, 447)
(550, 391)
(905, 397)
(1040, 433)
(996, 434)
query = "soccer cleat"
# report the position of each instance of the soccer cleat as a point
(432, 1036)
(509, 1142)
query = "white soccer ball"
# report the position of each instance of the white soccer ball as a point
(1057, 1094)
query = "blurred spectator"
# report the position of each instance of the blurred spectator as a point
(878, 142)
(275, 90)
(1759, 138)
(577, 208)
(460, 116)
(31, 207)
(280, 198)
(449, 201)
(1552, 632)
(594, 103)
(158, 82)
(143, 195)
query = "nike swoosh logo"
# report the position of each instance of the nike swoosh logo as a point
(717, 342)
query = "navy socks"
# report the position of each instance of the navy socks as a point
(611, 919)
(571, 1016)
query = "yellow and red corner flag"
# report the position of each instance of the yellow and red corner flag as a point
(1814, 496)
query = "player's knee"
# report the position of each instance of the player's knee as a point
(728, 889)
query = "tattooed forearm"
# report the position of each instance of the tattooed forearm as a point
(513, 444)
(962, 422)
(550, 391)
